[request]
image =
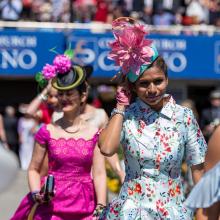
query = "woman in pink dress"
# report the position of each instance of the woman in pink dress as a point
(73, 154)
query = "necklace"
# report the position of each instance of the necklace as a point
(71, 132)
(77, 128)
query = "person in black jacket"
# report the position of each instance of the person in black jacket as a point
(10, 124)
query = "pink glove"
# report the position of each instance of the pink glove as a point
(123, 96)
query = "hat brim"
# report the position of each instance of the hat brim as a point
(81, 77)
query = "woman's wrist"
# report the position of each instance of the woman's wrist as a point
(35, 194)
(99, 209)
(43, 95)
(117, 111)
(101, 204)
(120, 107)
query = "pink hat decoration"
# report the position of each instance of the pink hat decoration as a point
(130, 49)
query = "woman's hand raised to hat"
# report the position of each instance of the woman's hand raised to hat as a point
(43, 95)
(49, 85)
(123, 94)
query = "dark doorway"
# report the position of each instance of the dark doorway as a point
(200, 95)
(16, 91)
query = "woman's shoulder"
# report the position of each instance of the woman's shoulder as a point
(43, 134)
(42, 127)
(89, 130)
(182, 109)
(183, 112)
(99, 118)
(101, 113)
(89, 127)
(55, 128)
(52, 125)
(94, 113)
(100, 110)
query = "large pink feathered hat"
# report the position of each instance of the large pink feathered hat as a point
(130, 50)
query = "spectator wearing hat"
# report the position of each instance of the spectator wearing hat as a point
(210, 117)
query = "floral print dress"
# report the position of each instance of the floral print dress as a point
(155, 143)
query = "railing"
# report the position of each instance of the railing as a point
(102, 27)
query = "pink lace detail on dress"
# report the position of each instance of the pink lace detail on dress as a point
(43, 136)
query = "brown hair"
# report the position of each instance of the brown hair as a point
(161, 64)
(82, 88)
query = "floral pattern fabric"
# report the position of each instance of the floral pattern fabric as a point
(155, 144)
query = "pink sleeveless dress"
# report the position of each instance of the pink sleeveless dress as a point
(70, 162)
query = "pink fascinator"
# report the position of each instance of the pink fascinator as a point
(61, 65)
(130, 50)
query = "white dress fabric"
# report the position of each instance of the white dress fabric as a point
(206, 192)
(26, 136)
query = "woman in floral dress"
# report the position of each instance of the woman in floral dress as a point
(155, 132)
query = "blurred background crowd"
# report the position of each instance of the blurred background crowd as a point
(159, 12)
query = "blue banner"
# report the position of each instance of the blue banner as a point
(188, 57)
(25, 53)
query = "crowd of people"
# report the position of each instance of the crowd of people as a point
(159, 12)
(73, 139)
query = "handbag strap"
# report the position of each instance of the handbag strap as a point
(32, 212)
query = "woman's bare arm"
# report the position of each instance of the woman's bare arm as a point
(113, 160)
(33, 107)
(116, 166)
(35, 166)
(109, 138)
(99, 176)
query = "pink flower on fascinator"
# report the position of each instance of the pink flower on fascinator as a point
(62, 63)
(49, 71)
(130, 49)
